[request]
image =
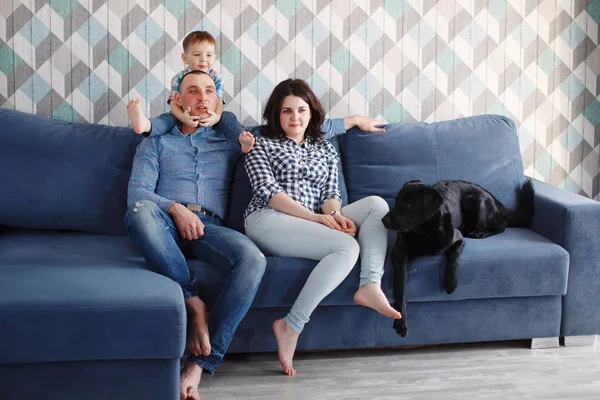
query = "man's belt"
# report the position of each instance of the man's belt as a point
(201, 210)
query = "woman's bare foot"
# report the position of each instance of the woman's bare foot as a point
(371, 295)
(139, 122)
(198, 342)
(287, 338)
(190, 379)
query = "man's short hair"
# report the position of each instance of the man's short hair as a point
(193, 72)
(198, 36)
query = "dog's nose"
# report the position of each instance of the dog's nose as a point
(386, 220)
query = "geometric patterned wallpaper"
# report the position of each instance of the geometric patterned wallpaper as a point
(537, 62)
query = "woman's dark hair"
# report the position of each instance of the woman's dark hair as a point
(296, 87)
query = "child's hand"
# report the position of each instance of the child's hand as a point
(246, 140)
(211, 120)
(190, 120)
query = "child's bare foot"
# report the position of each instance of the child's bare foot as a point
(139, 122)
(246, 140)
(371, 295)
(287, 338)
(198, 342)
(190, 379)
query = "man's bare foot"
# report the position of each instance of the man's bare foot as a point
(246, 140)
(198, 343)
(371, 295)
(139, 122)
(190, 379)
(287, 338)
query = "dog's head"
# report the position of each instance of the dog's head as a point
(415, 203)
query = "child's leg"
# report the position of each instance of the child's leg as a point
(162, 124)
(230, 126)
(154, 126)
(139, 122)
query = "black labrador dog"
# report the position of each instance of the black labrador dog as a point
(434, 219)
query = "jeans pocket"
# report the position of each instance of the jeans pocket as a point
(253, 219)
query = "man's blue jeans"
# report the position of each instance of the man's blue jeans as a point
(155, 235)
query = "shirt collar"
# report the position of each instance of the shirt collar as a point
(199, 131)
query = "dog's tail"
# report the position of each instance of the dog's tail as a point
(525, 206)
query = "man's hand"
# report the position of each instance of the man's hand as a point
(365, 123)
(369, 124)
(188, 224)
(346, 224)
(211, 120)
(190, 120)
(246, 140)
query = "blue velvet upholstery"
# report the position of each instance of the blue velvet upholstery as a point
(58, 175)
(78, 285)
(80, 313)
(91, 380)
(483, 150)
(505, 265)
(573, 222)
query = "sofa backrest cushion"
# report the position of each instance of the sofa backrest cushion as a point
(482, 149)
(59, 175)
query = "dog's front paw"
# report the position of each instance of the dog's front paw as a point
(400, 326)
(450, 282)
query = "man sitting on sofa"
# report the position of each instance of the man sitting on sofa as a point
(177, 194)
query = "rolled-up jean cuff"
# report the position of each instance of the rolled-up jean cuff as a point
(371, 279)
(209, 364)
(189, 289)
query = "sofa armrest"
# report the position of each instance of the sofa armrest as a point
(573, 222)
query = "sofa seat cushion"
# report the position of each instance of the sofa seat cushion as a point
(77, 296)
(516, 263)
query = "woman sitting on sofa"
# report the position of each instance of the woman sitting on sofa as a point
(296, 211)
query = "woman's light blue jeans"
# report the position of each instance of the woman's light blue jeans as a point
(280, 234)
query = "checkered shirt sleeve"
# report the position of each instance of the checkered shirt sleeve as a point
(175, 84)
(331, 189)
(263, 182)
(219, 83)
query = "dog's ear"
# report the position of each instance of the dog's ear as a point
(432, 201)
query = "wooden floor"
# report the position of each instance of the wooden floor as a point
(498, 370)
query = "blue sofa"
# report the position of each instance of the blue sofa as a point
(81, 316)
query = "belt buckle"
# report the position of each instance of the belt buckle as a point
(194, 207)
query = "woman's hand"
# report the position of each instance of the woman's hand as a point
(346, 224)
(327, 220)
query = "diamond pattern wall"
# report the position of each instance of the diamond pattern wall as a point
(537, 62)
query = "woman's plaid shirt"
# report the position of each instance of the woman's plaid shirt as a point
(307, 172)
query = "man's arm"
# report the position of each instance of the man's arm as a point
(339, 126)
(144, 176)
